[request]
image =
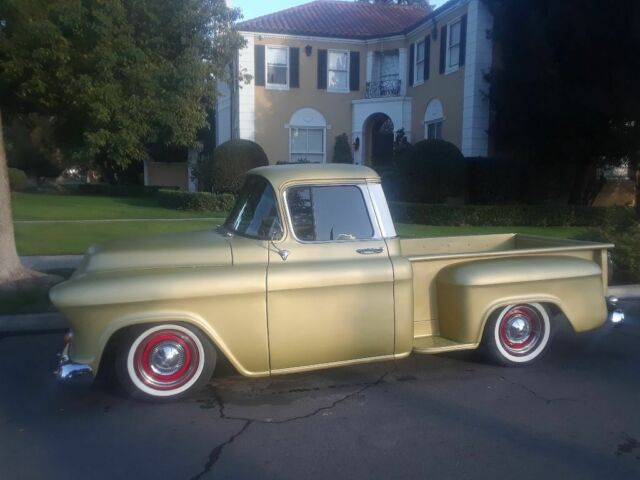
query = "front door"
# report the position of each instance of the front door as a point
(331, 300)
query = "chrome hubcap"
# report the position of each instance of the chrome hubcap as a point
(167, 358)
(518, 329)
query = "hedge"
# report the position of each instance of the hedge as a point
(104, 189)
(202, 201)
(511, 215)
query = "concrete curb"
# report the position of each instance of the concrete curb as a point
(625, 292)
(32, 322)
(50, 262)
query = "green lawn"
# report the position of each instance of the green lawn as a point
(42, 206)
(74, 238)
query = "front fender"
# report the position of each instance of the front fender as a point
(469, 293)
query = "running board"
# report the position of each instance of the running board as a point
(436, 344)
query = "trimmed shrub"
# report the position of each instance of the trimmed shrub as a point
(342, 150)
(432, 171)
(617, 218)
(202, 201)
(106, 190)
(17, 180)
(231, 161)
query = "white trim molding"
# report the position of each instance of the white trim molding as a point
(479, 57)
(247, 92)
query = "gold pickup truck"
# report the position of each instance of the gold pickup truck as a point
(307, 272)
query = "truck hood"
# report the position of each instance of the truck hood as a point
(188, 249)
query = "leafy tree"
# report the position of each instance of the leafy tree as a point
(113, 76)
(564, 88)
(342, 150)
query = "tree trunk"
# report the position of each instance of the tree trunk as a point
(583, 179)
(10, 266)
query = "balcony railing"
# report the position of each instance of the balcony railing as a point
(384, 88)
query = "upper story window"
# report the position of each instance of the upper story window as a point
(454, 37)
(329, 213)
(419, 63)
(255, 213)
(338, 71)
(277, 65)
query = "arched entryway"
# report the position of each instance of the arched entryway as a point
(378, 135)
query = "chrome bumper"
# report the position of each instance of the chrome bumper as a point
(72, 373)
(615, 314)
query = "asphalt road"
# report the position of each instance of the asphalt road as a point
(575, 414)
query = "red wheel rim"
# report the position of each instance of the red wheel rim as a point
(521, 329)
(166, 359)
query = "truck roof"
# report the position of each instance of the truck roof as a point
(279, 175)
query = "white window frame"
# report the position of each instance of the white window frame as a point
(305, 127)
(450, 69)
(435, 123)
(276, 86)
(340, 52)
(416, 81)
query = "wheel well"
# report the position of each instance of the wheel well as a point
(111, 347)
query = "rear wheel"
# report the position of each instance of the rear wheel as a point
(164, 362)
(518, 334)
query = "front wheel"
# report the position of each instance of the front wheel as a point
(164, 362)
(517, 334)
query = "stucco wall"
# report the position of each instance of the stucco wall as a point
(274, 107)
(448, 88)
(166, 175)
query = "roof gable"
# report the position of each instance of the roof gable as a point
(339, 19)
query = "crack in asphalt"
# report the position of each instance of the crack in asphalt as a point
(216, 452)
(214, 456)
(536, 394)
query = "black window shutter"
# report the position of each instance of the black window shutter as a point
(427, 56)
(322, 69)
(259, 65)
(294, 67)
(443, 48)
(354, 71)
(463, 40)
(412, 56)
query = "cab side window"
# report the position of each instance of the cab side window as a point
(329, 213)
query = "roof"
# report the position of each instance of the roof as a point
(279, 175)
(339, 19)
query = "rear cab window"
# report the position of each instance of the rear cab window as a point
(326, 213)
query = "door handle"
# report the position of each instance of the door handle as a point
(370, 251)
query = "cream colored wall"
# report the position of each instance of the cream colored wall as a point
(449, 89)
(274, 107)
(167, 175)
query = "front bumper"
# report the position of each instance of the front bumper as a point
(72, 373)
(615, 314)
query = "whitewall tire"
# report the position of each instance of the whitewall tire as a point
(164, 362)
(517, 334)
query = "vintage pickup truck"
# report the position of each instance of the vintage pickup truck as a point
(307, 272)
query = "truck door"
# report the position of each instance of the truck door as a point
(331, 300)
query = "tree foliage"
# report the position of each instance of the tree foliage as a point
(342, 150)
(117, 75)
(564, 87)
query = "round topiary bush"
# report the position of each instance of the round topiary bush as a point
(231, 161)
(433, 171)
(17, 180)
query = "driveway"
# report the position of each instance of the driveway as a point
(575, 414)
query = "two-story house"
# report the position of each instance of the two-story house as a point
(331, 67)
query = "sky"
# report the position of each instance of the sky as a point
(256, 8)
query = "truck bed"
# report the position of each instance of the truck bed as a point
(428, 256)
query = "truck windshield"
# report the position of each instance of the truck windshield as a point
(255, 213)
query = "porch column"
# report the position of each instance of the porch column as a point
(402, 70)
(357, 155)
